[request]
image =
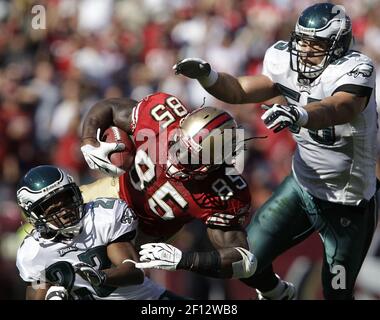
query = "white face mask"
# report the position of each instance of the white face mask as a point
(309, 70)
(67, 232)
(72, 231)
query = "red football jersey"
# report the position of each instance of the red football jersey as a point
(164, 204)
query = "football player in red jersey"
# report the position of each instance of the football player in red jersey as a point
(165, 193)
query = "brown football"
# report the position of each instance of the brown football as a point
(122, 159)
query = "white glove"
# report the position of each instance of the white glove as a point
(159, 256)
(93, 276)
(56, 293)
(97, 157)
(279, 117)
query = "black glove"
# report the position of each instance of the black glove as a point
(90, 274)
(193, 68)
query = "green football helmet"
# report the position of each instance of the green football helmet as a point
(326, 25)
(51, 202)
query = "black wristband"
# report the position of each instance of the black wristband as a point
(187, 260)
(205, 262)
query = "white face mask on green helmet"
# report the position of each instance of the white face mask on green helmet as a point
(51, 202)
(322, 23)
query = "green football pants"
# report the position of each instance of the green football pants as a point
(291, 215)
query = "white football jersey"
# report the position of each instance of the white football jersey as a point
(105, 220)
(337, 163)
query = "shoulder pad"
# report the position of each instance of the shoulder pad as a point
(276, 58)
(25, 261)
(354, 63)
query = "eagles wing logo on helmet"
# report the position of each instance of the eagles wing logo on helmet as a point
(363, 69)
(327, 28)
(51, 201)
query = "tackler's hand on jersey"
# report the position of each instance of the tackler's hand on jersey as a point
(97, 158)
(159, 256)
(93, 276)
(279, 117)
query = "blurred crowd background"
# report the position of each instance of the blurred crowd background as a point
(94, 49)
